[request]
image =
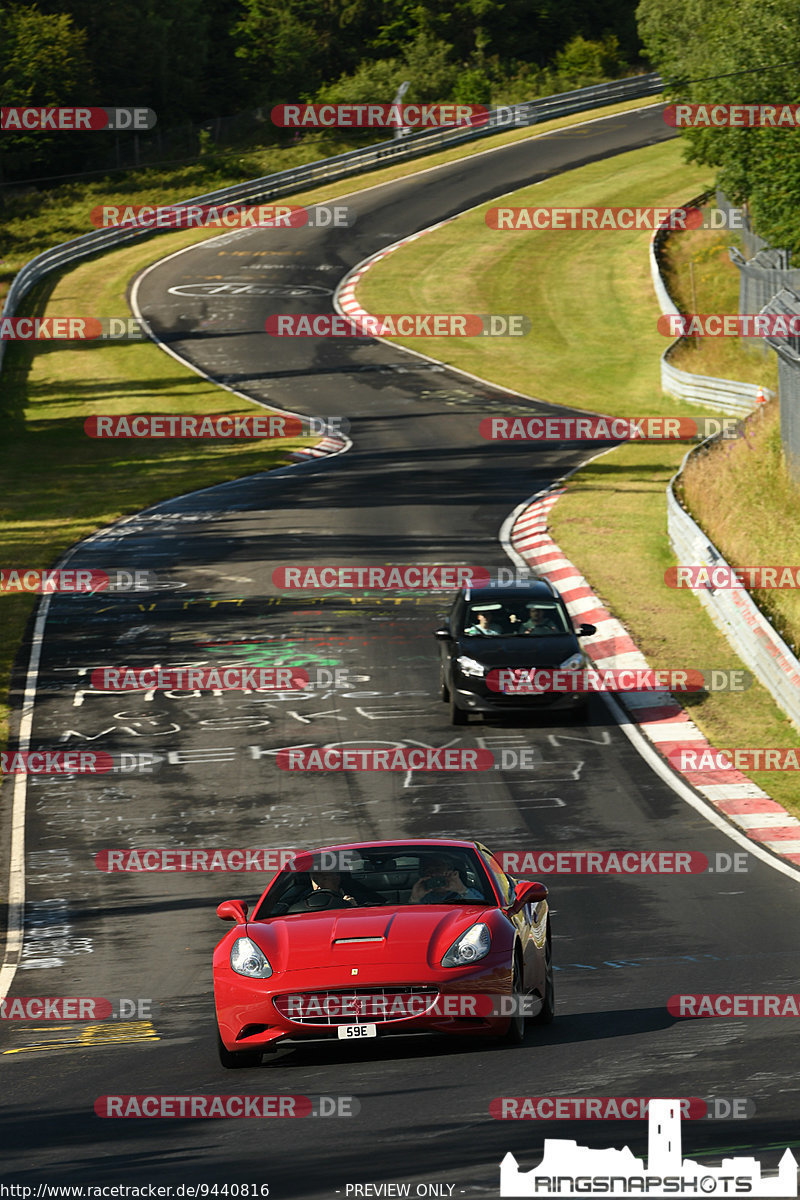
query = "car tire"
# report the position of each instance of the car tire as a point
(516, 1027)
(457, 715)
(234, 1060)
(548, 1009)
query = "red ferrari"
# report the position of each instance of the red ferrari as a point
(381, 937)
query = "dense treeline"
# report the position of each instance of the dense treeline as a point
(194, 60)
(736, 52)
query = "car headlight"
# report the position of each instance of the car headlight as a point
(248, 959)
(471, 946)
(573, 663)
(470, 666)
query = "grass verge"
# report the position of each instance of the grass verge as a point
(594, 345)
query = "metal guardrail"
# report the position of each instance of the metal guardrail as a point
(734, 612)
(729, 395)
(352, 162)
(732, 396)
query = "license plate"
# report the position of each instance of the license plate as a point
(358, 1031)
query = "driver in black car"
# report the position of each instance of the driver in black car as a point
(441, 880)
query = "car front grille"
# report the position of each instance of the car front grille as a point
(354, 1006)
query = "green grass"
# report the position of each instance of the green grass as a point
(594, 341)
(35, 220)
(701, 278)
(741, 490)
(624, 553)
(594, 345)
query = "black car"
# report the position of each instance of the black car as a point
(519, 625)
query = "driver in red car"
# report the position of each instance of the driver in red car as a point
(331, 881)
(439, 879)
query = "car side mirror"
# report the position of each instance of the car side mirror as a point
(443, 635)
(526, 893)
(232, 910)
(586, 630)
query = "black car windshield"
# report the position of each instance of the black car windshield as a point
(367, 878)
(515, 618)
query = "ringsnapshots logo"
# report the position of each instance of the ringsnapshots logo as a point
(222, 216)
(569, 1170)
(75, 120)
(732, 116)
(416, 325)
(607, 429)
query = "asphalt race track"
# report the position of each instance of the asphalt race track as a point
(419, 485)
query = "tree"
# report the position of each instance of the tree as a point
(735, 52)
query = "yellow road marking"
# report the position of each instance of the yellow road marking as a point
(109, 1033)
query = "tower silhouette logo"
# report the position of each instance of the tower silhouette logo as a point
(568, 1169)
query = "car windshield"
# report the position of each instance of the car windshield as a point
(515, 618)
(380, 877)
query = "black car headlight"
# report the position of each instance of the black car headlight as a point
(470, 666)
